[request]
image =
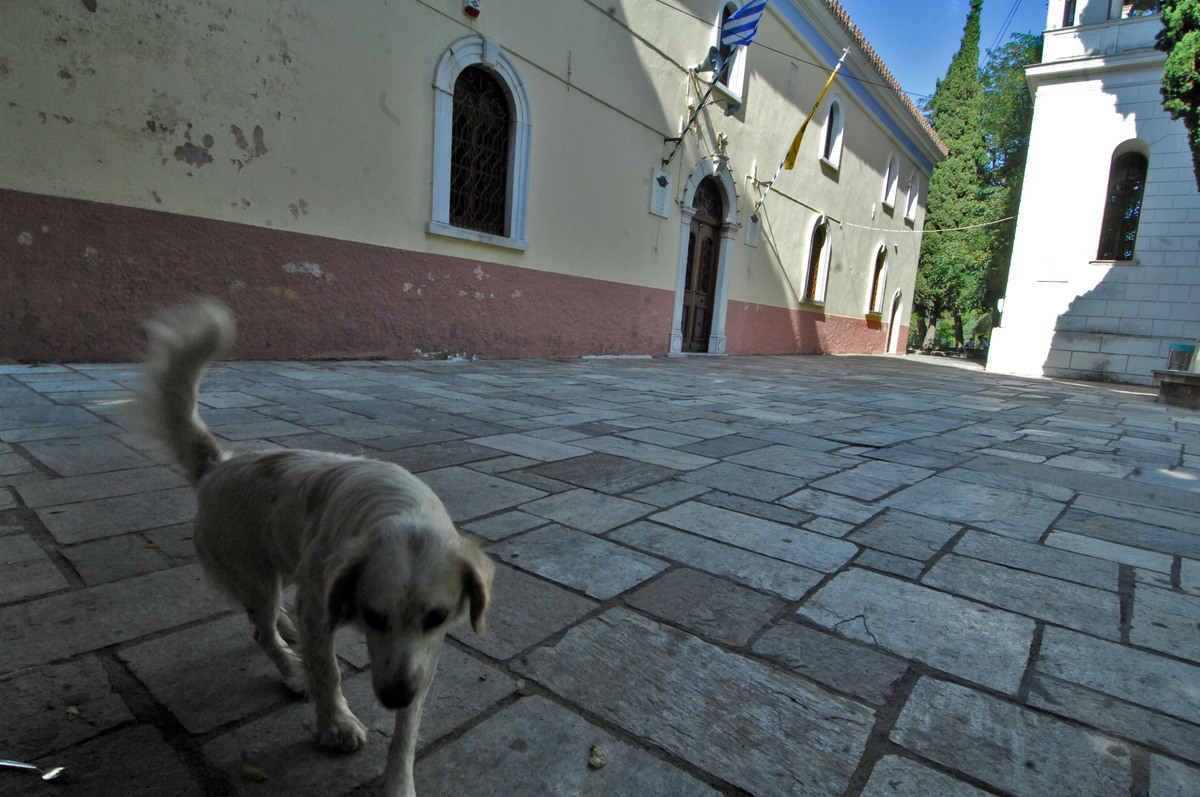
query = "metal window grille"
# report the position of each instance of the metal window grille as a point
(479, 153)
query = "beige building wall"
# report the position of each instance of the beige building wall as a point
(317, 119)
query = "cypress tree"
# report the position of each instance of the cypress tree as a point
(1180, 40)
(950, 274)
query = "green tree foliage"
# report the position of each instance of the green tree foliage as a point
(1180, 40)
(1007, 119)
(950, 275)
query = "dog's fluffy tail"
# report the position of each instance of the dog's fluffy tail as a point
(182, 343)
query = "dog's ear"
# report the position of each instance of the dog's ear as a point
(477, 569)
(340, 603)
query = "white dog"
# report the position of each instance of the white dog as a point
(364, 541)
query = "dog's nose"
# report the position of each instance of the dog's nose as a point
(397, 695)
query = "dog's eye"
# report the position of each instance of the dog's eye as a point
(435, 618)
(374, 620)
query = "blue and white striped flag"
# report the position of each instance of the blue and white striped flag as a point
(742, 24)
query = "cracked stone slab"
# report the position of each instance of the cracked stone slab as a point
(1010, 747)
(905, 534)
(858, 670)
(962, 637)
(1005, 512)
(538, 747)
(1054, 600)
(579, 560)
(790, 544)
(790, 736)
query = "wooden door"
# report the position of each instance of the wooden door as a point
(700, 281)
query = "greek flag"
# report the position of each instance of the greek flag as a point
(742, 24)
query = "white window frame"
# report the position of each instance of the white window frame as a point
(836, 117)
(479, 51)
(733, 87)
(823, 259)
(891, 181)
(914, 195)
(875, 300)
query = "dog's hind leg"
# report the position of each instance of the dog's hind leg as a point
(264, 608)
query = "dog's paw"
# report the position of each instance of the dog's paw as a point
(346, 733)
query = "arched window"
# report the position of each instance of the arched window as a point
(878, 282)
(1123, 206)
(817, 275)
(831, 150)
(914, 194)
(481, 138)
(891, 181)
(479, 153)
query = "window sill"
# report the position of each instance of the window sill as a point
(1115, 263)
(830, 165)
(723, 92)
(450, 231)
(890, 207)
(874, 315)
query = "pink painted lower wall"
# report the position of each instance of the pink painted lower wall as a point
(77, 277)
(763, 329)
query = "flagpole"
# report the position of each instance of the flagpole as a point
(699, 107)
(790, 157)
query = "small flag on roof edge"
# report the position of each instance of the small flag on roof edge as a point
(742, 24)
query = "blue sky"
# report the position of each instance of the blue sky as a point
(917, 38)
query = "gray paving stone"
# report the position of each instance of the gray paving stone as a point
(588, 511)
(754, 570)
(1124, 531)
(538, 747)
(115, 558)
(1146, 679)
(837, 507)
(1172, 779)
(797, 463)
(1166, 621)
(741, 480)
(760, 509)
(905, 534)
(814, 551)
(660, 437)
(1004, 512)
(108, 517)
(667, 493)
(890, 563)
(1048, 561)
(791, 737)
(524, 611)
(916, 455)
(724, 446)
(1118, 717)
(26, 570)
(82, 620)
(894, 776)
(13, 464)
(1189, 576)
(1114, 552)
(92, 487)
(871, 481)
(468, 495)
(115, 763)
(579, 560)
(283, 743)
(1009, 747)
(708, 606)
(645, 452)
(74, 456)
(1061, 602)
(532, 447)
(209, 674)
(506, 524)
(52, 707)
(964, 638)
(858, 670)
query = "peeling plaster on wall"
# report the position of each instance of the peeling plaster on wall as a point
(298, 209)
(311, 269)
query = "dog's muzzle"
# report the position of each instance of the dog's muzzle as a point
(397, 695)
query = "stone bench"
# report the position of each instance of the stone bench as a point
(1179, 388)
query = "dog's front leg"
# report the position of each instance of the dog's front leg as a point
(402, 752)
(337, 726)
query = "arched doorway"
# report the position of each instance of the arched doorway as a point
(703, 257)
(895, 345)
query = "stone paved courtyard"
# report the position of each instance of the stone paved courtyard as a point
(774, 575)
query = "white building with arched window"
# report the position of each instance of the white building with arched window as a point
(1105, 271)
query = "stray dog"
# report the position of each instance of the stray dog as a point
(365, 542)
